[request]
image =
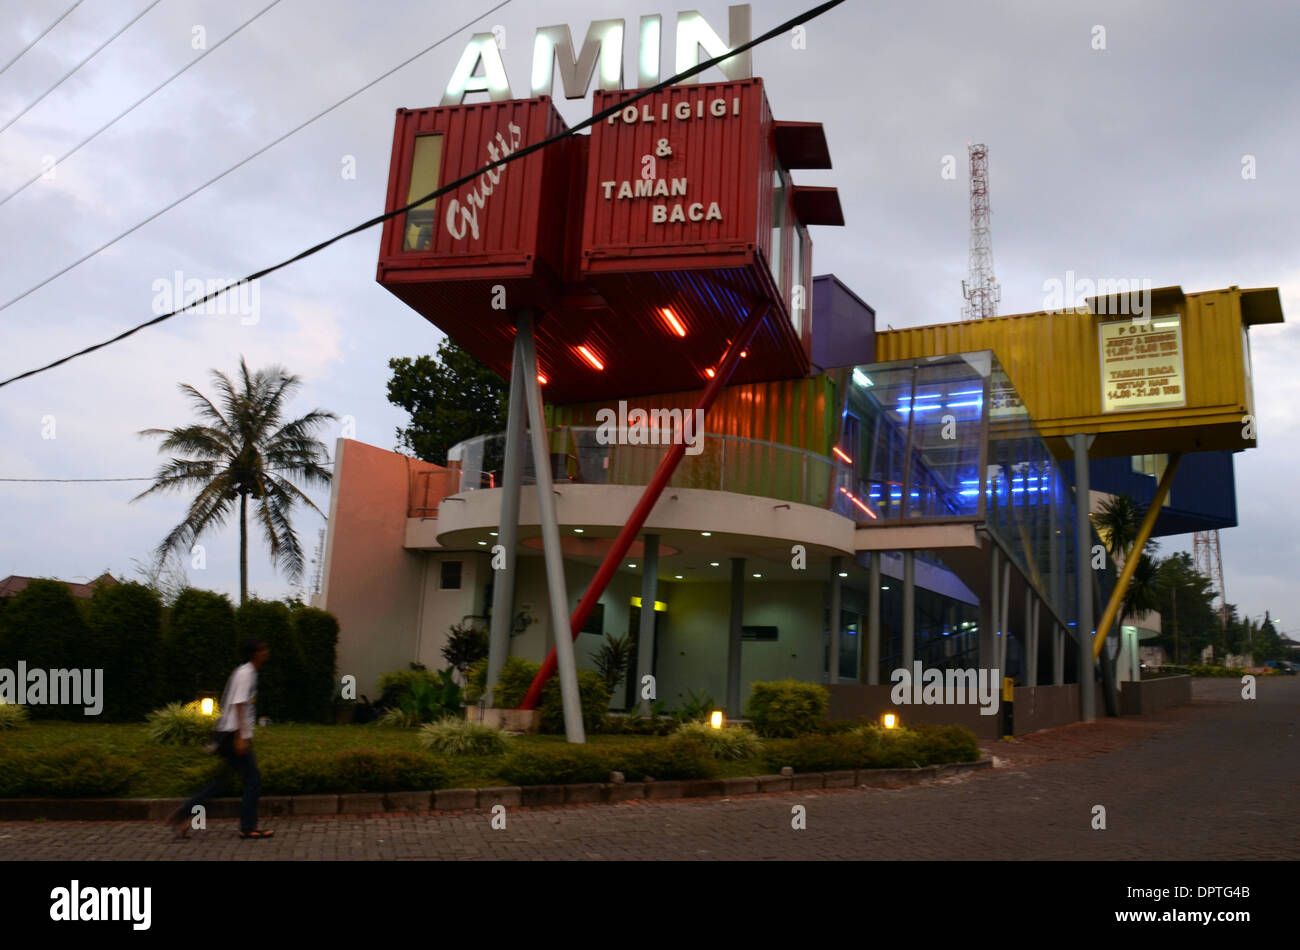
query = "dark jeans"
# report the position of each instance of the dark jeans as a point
(246, 766)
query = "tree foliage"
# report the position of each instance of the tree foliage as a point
(450, 398)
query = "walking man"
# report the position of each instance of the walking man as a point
(234, 743)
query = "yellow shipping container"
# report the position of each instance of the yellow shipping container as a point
(1055, 363)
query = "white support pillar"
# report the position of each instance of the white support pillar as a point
(873, 621)
(503, 586)
(645, 648)
(833, 667)
(554, 554)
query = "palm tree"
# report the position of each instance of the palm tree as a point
(1117, 522)
(239, 450)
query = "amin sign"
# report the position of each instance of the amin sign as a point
(604, 45)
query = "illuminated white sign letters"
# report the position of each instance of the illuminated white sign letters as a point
(481, 68)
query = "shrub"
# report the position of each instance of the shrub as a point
(181, 724)
(317, 633)
(124, 624)
(200, 649)
(871, 747)
(43, 626)
(512, 685)
(730, 742)
(13, 716)
(356, 770)
(280, 680)
(696, 708)
(76, 771)
(466, 645)
(681, 757)
(592, 692)
(458, 737)
(418, 695)
(786, 708)
(562, 765)
(398, 718)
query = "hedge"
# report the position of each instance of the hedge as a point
(125, 640)
(43, 626)
(200, 649)
(76, 771)
(678, 758)
(317, 633)
(873, 748)
(280, 680)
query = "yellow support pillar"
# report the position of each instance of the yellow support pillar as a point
(1130, 563)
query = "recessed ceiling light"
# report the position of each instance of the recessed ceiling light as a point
(577, 531)
(493, 533)
(844, 573)
(713, 564)
(678, 576)
(707, 534)
(482, 542)
(758, 575)
(885, 587)
(631, 565)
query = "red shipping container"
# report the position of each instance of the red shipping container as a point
(500, 243)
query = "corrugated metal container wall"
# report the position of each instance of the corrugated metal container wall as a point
(800, 413)
(794, 412)
(505, 220)
(719, 150)
(1053, 362)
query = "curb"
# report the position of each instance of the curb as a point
(470, 799)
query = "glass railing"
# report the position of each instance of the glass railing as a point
(587, 455)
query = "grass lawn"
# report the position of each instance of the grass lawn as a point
(176, 771)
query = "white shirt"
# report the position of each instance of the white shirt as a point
(240, 688)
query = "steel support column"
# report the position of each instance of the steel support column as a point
(645, 634)
(503, 585)
(1083, 578)
(554, 554)
(873, 621)
(909, 609)
(735, 637)
(647, 501)
(833, 666)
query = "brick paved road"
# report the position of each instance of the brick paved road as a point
(1215, 780)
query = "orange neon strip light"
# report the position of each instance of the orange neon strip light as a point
(673, 322)
(590, 357)
(838, 452)
(853, 498)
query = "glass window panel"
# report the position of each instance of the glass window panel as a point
(426, 166)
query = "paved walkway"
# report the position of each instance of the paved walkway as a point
(1214, 780)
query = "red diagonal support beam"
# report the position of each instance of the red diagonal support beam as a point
(648, 499)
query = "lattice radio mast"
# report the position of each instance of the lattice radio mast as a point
(980, 289)
(1209, 563)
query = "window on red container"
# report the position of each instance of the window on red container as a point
(426, 165)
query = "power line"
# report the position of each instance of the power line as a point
(240, 164)
(129, 478)
(445, 189)
(24, 50)
(79, 65)
(121, 115)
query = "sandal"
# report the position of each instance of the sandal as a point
(257, 833)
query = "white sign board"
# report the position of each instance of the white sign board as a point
(1142, 364)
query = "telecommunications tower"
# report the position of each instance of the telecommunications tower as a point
(980, 290)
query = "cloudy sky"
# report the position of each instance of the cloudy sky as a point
(1117, 162)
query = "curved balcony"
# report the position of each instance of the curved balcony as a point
(607, 456)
